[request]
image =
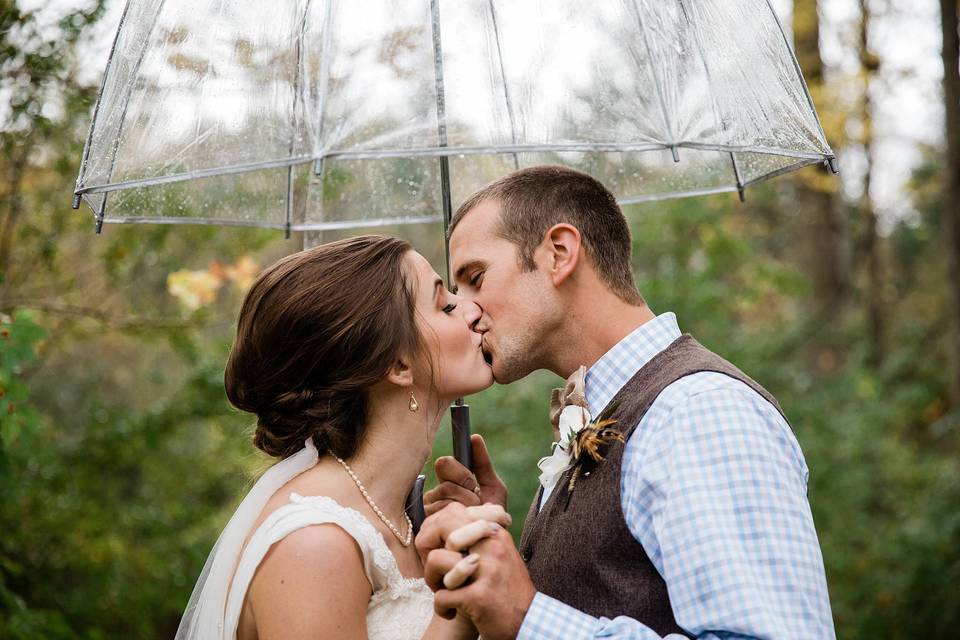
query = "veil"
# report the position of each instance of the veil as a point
(203, 619)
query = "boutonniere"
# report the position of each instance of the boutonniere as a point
(588, 446)
(581, 441)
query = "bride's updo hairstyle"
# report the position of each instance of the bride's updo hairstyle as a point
(316, 331)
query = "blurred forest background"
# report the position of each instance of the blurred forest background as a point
(120, 458)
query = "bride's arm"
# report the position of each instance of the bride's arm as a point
(311, 584)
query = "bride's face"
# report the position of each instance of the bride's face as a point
(445, 321)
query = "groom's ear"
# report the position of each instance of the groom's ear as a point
(562, 244)
(401, 373)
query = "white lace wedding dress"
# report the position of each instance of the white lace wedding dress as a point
(399, 609)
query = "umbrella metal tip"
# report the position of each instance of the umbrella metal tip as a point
(76, 201)
(833, 165)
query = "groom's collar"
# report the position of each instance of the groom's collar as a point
(624, 359)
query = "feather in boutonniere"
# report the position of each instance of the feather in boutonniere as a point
(590, 444)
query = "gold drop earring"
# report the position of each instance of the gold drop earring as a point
(413, 405)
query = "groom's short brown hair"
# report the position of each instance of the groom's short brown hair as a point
(534, 199)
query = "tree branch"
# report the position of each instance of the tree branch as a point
(104, 317)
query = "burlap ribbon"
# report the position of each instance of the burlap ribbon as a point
(572, 393)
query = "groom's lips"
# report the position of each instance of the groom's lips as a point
(487, 356)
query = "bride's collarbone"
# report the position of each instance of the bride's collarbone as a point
(331, 483)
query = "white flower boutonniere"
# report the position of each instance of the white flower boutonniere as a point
(573, 419)
(581, 442)
(582, 445)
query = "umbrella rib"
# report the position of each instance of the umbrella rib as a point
(445, 200)
(713, 97)
(738, 177)
(293, 129)
(506, 88)
(96, 109)
(658, 82)
(803, 82)
(324, 82)
(126, 103)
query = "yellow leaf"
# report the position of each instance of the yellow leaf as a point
(193, 289)
(243, 272)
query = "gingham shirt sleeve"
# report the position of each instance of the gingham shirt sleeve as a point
(715, 491)
(550, 619)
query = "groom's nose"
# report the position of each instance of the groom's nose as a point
(471, 313)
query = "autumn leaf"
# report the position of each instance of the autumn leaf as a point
(243, 272)
(194, 289)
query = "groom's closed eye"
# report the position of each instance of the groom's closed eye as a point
(474, 280)
(471, 273)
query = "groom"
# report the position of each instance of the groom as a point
(690, 517)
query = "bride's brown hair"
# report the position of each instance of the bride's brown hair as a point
(316, 331)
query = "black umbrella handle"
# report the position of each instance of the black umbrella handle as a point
(462, 451)
(414, 506)
(460, 420)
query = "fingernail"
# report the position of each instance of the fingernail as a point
(494, 527)
(473, 558)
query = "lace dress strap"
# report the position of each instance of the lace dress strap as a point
(303, 511)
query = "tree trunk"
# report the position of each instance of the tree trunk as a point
(951, 193)
(817, 201)
(869, 65)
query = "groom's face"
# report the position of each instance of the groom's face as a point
(519, 308)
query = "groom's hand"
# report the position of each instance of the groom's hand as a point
(498, 591)
(457, 484)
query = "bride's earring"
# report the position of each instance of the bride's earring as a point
(413, 405)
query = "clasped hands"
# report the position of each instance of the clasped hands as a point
(469, 559)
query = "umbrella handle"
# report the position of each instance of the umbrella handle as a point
(414, 506)
(462, 451)
(460, 421)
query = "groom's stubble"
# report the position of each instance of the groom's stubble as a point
(525, 333)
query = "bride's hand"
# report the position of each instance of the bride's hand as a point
(446, 538)
(457, 484)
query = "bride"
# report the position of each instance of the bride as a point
(348, 354)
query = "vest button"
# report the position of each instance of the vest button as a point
(525, 555)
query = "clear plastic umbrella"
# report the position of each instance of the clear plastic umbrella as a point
(330, 114)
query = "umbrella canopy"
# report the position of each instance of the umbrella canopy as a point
(325, 114)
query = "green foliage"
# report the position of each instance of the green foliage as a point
(19, 335)
(120, 459)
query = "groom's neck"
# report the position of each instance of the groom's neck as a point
(597, 321)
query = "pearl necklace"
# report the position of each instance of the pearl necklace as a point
(405, 541)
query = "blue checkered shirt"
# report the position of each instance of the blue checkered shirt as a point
(713, 485)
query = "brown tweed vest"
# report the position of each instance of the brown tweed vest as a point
(578, 547)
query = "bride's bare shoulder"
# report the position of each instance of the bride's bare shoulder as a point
(311, 584)
(321, 480)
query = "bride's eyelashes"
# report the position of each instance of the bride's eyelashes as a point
(449, 308)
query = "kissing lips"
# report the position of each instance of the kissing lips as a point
(487, 356)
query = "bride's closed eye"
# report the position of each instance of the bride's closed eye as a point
(449, 308)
